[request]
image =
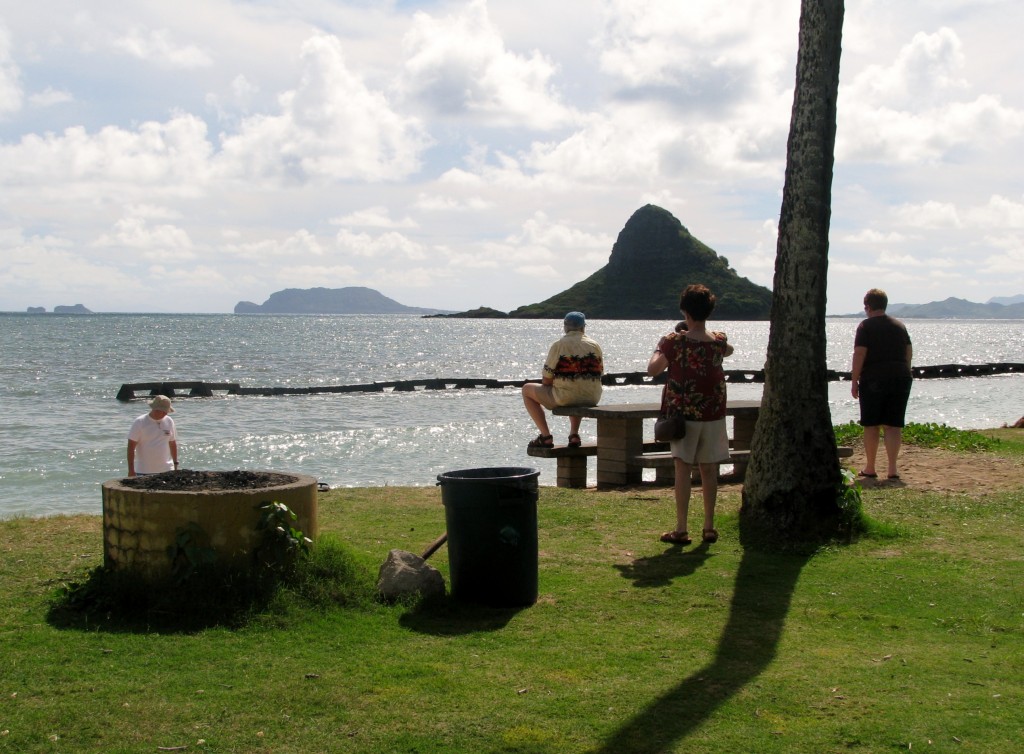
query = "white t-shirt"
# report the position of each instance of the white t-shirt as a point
(153, 438)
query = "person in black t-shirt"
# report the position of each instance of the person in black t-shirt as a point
(881, 378)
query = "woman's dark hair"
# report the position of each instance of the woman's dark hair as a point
(698, 301)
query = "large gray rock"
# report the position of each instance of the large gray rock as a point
(405, 573)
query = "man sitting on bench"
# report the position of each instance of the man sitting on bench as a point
(571, 377)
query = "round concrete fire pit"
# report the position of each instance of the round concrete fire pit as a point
(146, 518)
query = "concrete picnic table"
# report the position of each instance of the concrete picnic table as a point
(620, 437)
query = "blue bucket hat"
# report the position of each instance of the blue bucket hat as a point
(575, 321)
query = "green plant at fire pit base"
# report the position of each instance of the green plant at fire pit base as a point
(282, 543)
(203, 590)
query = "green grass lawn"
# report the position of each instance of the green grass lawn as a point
(909, 642)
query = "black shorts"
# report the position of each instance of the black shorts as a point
(884, 402)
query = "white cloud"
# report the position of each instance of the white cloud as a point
(271, 253)
(1000, 212)
(758, 263)
(539, 271)
(157, 47)
(872, 236)
(541, 230)
(698, 56)
(238, 103)
(458, 66)
(373, 217)
(923, 73)
(930, 214)
(28, 265)
(166, 157)
(331, 128)
(50, 97)
(447, 203)
(919, 107)
(1009, 261)
(200, 276)
(390, 245)
(557, 252)
(327, 276)
(407, 277)
(10, 86)
(486, 256)
(152, 212)
(889, 259)
(153, 242)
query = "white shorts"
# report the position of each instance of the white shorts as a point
(704, 442)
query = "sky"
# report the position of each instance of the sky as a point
(185, 156)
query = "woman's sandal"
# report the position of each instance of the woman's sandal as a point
(676, 538)
(710, 536)
(542, 441)
(575, 441)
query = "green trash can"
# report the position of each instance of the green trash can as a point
(491, 516)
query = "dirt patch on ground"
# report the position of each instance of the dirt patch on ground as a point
(945, 471)
(185, 480)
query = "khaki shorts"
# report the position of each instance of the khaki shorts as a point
(544, 395)
(549, 398)
(704, 442)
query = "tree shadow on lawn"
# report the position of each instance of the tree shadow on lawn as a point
(757, 616)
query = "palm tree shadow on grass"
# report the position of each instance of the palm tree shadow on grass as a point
(757, 615)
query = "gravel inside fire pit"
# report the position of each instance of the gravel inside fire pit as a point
(187, 480)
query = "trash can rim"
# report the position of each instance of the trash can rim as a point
(502, 473)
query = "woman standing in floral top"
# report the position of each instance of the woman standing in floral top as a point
(696, 389)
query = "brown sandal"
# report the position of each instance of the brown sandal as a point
(574, 441)
(542, 441)
(710, 536)
(676, 538)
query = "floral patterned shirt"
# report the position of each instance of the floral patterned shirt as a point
(696, 380)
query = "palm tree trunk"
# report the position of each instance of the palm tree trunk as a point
(791, 482)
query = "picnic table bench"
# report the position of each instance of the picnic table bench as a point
(661, 460)
(620, 446)
(571, 469)
(622, 453)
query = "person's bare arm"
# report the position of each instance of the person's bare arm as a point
(859, 354)
(657, 364)
(131, 457)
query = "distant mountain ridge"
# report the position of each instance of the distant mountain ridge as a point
(954, 308)
(350, 300)
(1007, 300)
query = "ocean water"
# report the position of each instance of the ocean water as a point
(63, 433)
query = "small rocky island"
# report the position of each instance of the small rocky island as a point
(76, 309)
(351, 300)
